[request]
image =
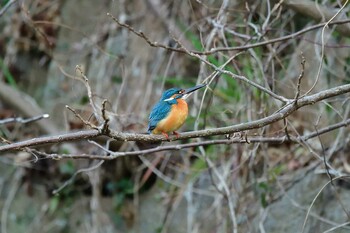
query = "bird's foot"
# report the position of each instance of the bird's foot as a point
(166, 136)
(176, 134)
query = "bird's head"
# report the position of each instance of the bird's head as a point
(171, 95)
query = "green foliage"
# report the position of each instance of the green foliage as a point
(263, 189)
(197, 167)
(182, 82)
(329, 109)
(232, 89)
(54, 202)
(118, 200)
(4, 2)
(159, 229)
(63, 150)
(276, 171)
(117, 79)
(121, 190)
(67, 168)
(3, 133)
(191, 120)
(347, 70)
(84, 100)
(196, 42)
(125, 186)
(61, 202)
(8, 76)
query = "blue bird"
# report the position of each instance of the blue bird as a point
(170, 113)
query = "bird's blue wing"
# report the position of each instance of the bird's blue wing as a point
(158, 113)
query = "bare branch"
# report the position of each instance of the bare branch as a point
(87, 123)
(324, 157)
(6, 7)
(73, 136)
(168, 148)
(235, 76)
(315, 198)
(90, 95)
(223, 49)
(105, 126)
(323, 48)
(120, 136)
(301, 75)
(23, 120)
(327, 129)
(71, 179)
(227, 141)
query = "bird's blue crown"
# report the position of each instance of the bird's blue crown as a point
(170, 92)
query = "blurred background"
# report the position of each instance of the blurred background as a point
(256, 187)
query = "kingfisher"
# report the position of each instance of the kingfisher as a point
(170, 113)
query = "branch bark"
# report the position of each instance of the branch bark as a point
(273, 140)
(285, 111)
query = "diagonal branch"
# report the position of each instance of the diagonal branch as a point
(6, 7)
(285, 111)
(223, 49)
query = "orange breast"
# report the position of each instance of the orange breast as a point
(175, 119)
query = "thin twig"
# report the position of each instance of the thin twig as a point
(234, 76)
(105, 126)
(324, 156)
(90, 95)
(77, 115)
(6, 7)
(13, 188)
(302, 207)
(23, 120)
(301, 75)
(285, 127)
(226, 192)
(323, 46)
(337, 227)
(315, 198)
(72, 136)
(68, 182)
(219, 49)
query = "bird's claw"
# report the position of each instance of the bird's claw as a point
(166, 136)
(176, 134)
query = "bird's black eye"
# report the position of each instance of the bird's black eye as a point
(181, 91)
